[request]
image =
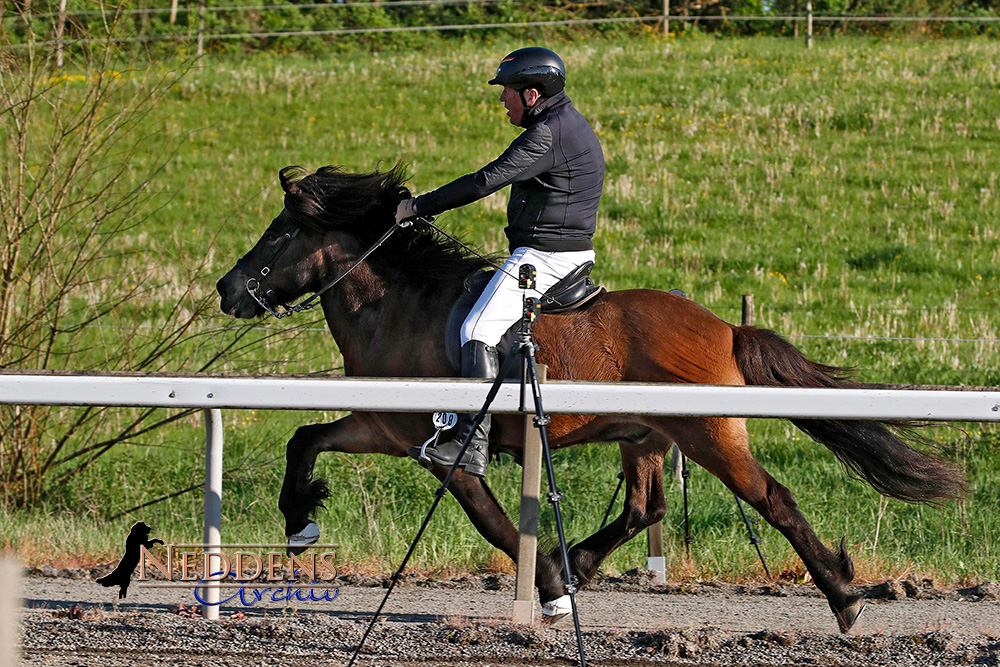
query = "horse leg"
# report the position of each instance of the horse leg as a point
(489, 518)
(720, 445)
(301, 495)
(644, 506)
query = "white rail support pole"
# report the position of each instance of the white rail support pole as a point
(527, 527)
(213, 508)
(10, 594)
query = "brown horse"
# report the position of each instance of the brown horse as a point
(388, 315)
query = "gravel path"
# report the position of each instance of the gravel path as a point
(73, 621)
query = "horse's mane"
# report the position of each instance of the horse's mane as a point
(365, 204)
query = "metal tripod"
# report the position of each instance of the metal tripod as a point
(523, 350)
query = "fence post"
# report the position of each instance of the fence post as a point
(747, 318)
(666, 17)
(201, 28)
(655, 560)
(213, 506)
(527, 528)
(809, 24)
(10, 592)
(60, 28)
(173, 12)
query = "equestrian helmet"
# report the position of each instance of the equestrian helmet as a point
(532, 67)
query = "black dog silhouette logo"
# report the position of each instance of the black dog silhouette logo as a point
(121, 576)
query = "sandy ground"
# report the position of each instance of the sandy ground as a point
(73, 621)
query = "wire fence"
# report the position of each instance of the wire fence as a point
(262, 8)
(378, 17)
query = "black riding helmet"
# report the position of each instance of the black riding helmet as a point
(532, 67)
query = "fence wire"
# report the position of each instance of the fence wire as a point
(661, 17)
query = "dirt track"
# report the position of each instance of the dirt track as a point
(73, 622)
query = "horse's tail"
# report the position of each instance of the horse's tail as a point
(871, 450)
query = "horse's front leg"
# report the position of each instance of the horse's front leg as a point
(489, 518)
(301, 495)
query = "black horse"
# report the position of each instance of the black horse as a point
(388, 314)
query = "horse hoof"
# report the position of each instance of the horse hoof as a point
(554, 610)
(303, 539)
(848, 616)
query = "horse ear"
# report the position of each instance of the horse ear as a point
(285, 177)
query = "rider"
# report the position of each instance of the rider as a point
(555, 168)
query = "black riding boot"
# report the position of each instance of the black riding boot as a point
(479, 360)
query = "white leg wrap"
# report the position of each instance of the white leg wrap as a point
(305, 537)
(558, 607)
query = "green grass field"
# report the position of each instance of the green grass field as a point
(852, 188)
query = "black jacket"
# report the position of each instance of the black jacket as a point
(556, 172)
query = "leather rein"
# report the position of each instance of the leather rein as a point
(254, 285)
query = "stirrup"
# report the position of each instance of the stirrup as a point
(442, 422)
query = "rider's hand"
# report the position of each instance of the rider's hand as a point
(407, 210)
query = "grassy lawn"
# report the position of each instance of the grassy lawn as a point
(852, 188)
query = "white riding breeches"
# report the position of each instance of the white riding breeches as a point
(502, 302)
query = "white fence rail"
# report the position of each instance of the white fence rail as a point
(427, 395)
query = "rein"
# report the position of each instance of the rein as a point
(254, 284)
(279, 311)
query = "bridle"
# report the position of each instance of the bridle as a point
(256, 284)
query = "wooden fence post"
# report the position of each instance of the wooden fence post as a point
(809, 24)
(201, 28)
(747, 318)
(60, 29)
(10, 593)
(527, 549)
(655, 559)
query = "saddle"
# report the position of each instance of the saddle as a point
(572, 292)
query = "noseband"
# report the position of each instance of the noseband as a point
(255, 284)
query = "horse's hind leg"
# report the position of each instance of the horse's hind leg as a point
(720, 446)
(644, 506)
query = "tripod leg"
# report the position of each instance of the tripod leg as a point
(438, 495)
(554, 494)
(685, 476)
(611, 505)
(754, 540)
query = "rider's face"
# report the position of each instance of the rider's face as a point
(512, 102)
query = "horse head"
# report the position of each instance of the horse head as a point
(327, 219)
